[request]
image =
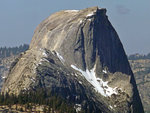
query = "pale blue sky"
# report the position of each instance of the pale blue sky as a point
(130, 18)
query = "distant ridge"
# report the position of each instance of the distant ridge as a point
(9, 51)
(138, 56)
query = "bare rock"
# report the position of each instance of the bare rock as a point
(78, 55)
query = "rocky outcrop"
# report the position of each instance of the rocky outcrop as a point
(5, 64)
(78, 55)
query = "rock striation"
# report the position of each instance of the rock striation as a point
(78, 55)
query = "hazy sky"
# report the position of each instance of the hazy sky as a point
(130, 18)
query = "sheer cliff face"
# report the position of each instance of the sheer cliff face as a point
(81, 37)
(78, 55)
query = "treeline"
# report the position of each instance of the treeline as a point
(8, 51)
(138, 56)
(51, 101)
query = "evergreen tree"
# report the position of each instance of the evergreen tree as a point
(7, 52)
(40, 97)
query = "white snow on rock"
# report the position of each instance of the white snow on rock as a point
(90, 20)
(25, 88)
(76, 75)
(77, 107)
(90, 14)
(3, 77)
(60, 57)
(80, 82)
(42, 55)
(33, 79)
(44, 59)
(81, 21)
(40, 62)
(43, 52)
(99, 85)
(71, 11)
(104, 71)
(111, 107)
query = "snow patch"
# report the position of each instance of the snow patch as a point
(111, 107)
(99, 85)
(81, 21)
(25, 89)
(43, 52)
(71, 11)
(41, 49)
(40, 62)
(90, 20)
(53, 52)
(104, 71)
(76, 75)
(3, 77)
(77, 107)
(60, 57)
(91, 14)
(44, 59)
(33, 79)
(80, 82)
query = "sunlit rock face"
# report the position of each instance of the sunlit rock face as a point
(78, 55)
